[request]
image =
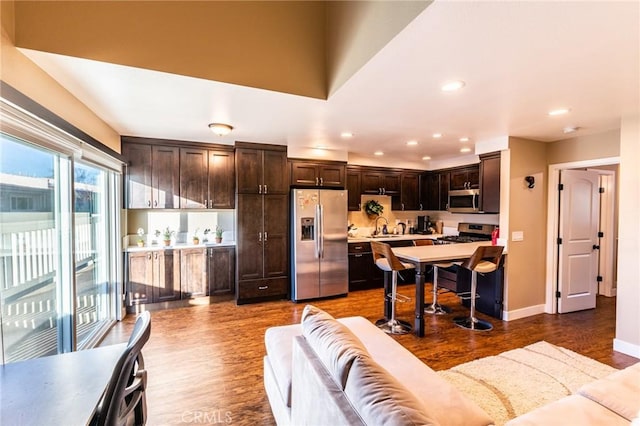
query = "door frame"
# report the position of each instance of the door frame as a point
(553, 208)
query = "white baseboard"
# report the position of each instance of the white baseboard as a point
(523, 312)
(626, 348)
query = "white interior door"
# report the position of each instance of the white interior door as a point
(578, 259)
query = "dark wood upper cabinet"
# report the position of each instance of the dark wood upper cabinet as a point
(152, 179)
(222, 182)
(169, 174)
(261, 171)
(381, 181)
(165, 177)
(490, 183)
(138, 176)
(467, 177)
(353, 189)
(409, 192)
(193, 178)
(317, 174)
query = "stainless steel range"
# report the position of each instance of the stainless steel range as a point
(469, 233)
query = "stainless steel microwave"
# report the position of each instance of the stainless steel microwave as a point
(464, 201)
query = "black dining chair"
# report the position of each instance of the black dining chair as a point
(124, 401)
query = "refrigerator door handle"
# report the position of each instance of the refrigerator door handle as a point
(321, 230)
(316, 232)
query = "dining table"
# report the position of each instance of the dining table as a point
(424, 256)
(63, 389)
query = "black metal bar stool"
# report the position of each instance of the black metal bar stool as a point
(388, 262)
(435, 308)
(484, 260)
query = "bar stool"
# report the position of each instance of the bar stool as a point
(435, 308)
(388, 262)
(484, 260)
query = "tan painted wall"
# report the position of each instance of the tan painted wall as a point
(357, 30)
(275, 45)
(18, 71)
(527, 213)
(590, 147)
(628, 300)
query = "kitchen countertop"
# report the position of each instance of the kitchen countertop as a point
(153, 247)
(395, 237)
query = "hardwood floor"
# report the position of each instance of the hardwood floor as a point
(205, 362)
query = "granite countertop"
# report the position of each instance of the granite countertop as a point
(178, 246)
(394, 237)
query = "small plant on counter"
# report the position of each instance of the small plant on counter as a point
(196, 239)
(166, 235)
(140, 237)
(219, 231)
(373, 208)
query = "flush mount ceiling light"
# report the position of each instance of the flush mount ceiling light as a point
(559, 111)
(378, 153)
(452, 86)
(220, 129)
(412, 143)
(346, 134)
(426, 157)
(464, 150)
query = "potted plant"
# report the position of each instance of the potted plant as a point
(373, 208)
(196, 239)
(219, 231)
(140, 237)
(166, 235)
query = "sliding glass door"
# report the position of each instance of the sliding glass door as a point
(57, 233)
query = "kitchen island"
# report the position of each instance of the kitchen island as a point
(423, 256)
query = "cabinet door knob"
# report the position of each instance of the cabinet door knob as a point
(321, 183)
(155, 203)
(259, 189)
(260, 236)
(265, 189)
(149, 203)
(316, 181)
(265, 236)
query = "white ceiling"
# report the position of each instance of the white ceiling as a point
(519, 60)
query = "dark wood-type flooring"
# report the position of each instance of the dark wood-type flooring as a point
(205, 362)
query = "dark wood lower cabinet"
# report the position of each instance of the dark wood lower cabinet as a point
(221, 266)
(170, 277)
(253, 290)
(193, 273)
(364, 274)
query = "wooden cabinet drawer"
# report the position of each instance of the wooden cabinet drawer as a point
(359, 248)
(255, 289)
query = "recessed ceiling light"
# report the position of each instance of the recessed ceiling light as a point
(465, 149)
(378, 153)
(570, 129)
(465, 139)
(426, 157)
(559, 111)
(321, 147)
(346, 134)
(437, 135)
(412, 143)
(452, 86)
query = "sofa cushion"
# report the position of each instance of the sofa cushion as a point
(570, 410)
(278, 342)
(619, 392)
(380, 399)
(335, 344)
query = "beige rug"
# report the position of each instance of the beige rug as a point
(518, 381)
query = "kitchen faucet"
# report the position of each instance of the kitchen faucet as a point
(376, 231)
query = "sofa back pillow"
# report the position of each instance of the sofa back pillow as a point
(381, 399)
(333, 343)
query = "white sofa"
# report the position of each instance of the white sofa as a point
(347, 372)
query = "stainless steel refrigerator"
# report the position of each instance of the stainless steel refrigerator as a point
(319, 259)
